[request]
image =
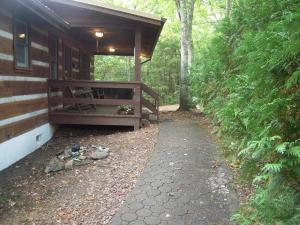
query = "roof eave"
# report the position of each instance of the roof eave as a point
(39, 9)
(103, 8)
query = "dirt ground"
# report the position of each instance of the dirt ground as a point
(89, 194)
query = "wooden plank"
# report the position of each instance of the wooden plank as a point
(137, 55)
(9, 110)
(40, 71)
(15, 88)
(7, 67)
(150, 91)
(40, 55)
(5, 23)
(149, 105)
(14, 129)
(6, 46)
(38, 38)
(93, 115)
(93, 119)
(92, 101)
(91, 84)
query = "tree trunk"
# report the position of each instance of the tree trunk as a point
(185, 12)
(228, 8)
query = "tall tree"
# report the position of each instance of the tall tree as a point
(185, 9)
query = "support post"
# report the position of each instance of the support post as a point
(137, 54)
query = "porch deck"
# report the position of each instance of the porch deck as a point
(98, 103)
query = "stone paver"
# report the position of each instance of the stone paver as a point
(181, 184)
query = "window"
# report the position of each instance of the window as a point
(53, 46)
(84, 66)
(21, 37)
(67, 62)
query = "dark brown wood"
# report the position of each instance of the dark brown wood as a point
(119, 14)
(93, 101)
(5, 23)
(87, 119)
(8, 110)
(154, 108)
(94, 117)
(7, 67)
(14, 129)
(92, 84)
(40, 71)
(38, 37)
(137, 55)
(39, 55)
(14, 88)
(149, 105)
(150, 91)
(6, 46)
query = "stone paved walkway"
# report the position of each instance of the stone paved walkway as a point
(184, 182)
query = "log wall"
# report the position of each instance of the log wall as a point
(23, 94)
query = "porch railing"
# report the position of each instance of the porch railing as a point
(68, 93)
(150, 99)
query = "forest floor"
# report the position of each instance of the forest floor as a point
(94, 193)
(88, 194)
(168, 108)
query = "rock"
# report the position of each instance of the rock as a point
(69, 165)
(67, 153)
(54, 165)
(61, 156)
(78, 162)
(82, 157)
(100, 153)
(75, 148)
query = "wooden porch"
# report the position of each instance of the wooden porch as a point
(99, 29)
(101, 103)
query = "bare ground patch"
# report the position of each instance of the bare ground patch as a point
(89, 194)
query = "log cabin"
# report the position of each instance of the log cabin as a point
(47, 50)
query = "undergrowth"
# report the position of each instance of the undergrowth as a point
(248, 80)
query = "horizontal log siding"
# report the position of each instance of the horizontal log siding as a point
(5, 23)
(6, 46)
(15, 88)
(14, 129)
(7, 67)
(39, 55)
(19, 108)
(18, 96)
(39, 38)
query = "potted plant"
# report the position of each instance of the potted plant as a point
(126, 110)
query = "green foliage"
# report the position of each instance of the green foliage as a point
(248, 80)
(163, 72)
(271, 207)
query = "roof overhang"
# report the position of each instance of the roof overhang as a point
(82, 18)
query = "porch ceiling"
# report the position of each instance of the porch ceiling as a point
(83, 18)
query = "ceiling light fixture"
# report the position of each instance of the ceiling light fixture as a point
(99, 34)
(22, 35)
(112, 49)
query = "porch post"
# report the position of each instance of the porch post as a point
(138, 71)
(137, 55)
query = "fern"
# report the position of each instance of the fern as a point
(248, 80)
